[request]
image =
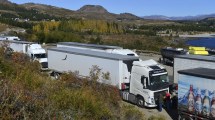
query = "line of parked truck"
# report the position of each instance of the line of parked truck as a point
(140, 82)
(32, 49)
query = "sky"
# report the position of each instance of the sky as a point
(138, 7)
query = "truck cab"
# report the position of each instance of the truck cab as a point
(36, 52)
(147, 81)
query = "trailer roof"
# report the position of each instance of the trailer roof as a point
(93, 53)
(20, 42)
(197, 57)
(102, 47)
(199, 72)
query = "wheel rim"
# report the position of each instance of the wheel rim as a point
(56, 76)
(140, 102)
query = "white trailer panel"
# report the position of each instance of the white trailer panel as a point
(101, 48)
(196, 92)
(183, 62)
(72, 60)
(17, 46)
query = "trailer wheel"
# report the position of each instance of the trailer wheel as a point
(140, 101)
(183, 117)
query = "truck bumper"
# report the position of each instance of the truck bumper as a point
(44, 69)
(150, 105)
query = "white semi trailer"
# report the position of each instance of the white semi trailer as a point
(9, 38)
(33, 50)
(196, 94)
(140, 82)
(101, 48)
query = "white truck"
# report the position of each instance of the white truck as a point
(140, 82)
(33, 50)
(101, 48)
(9, 38)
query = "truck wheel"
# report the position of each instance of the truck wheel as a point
(140, 101)
(56, 75)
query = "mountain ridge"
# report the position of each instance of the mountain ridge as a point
(5, 1)
(85, 12)
(91, 12)
(195, 18)
(92, 9)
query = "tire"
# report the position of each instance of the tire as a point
(140, 102)
(183, 117)
(56, 75)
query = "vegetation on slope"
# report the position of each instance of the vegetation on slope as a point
(96, 32)
(11, 10)
(73, 30)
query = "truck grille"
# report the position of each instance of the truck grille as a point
(44, 64)
(156, 94)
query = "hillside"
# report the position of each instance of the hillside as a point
(9, 10)
(5, 2)
(93, 9)
(47, 9)
(85, 12)
(41, 12)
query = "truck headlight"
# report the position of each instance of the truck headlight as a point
(151, 100)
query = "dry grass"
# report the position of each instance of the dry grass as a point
(3, 27)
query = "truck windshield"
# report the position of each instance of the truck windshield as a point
(40, 55)
(159, 80)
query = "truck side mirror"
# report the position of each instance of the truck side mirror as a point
(142, 79)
